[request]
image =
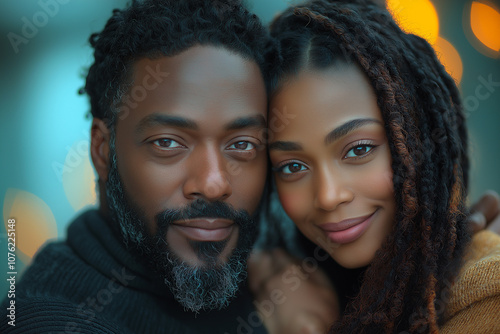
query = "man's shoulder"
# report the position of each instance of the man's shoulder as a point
(59, 273)
(52, 314)
(54, 260)
(62, 265)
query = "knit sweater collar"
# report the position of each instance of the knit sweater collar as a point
(93, 240)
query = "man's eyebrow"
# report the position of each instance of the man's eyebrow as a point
(285, 146)
(157, 119)
(257, 121)
(347, 127)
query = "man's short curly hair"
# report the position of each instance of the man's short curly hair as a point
(157, 28)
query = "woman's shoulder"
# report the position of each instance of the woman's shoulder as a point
(475, 296)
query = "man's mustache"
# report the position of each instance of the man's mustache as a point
(201, 209)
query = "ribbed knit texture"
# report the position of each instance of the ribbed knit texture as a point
(474, 302)
(91, 284)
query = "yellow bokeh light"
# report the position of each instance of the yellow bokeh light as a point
(417, 17)
(450, 58)
(35, 222)
(485, 24)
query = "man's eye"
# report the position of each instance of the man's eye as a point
(291, 168)
(166, 143)
(242, 146)
(359, 151)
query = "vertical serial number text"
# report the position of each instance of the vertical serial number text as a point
(11, 271)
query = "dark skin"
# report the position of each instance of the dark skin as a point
(334, 166)
(266, 270)
(195, 134)
(159, 177)
(319, 179)
(213, 149)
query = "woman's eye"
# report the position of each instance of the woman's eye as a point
(291, 168)
(166, 143)
(242, 146)
(358, 151)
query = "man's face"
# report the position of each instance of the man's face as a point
(188, 168)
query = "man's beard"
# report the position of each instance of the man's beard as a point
(209, 286)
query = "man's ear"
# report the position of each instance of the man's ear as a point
(99, 148)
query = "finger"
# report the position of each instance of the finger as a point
(259, 268)
(495, 225)
(477, 222)
(488, 205)
(320, 278)
(264, 265)
(309, 323)
(282, 259)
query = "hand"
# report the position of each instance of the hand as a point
(485, 214)
(289, 298)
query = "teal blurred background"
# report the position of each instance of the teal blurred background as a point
(46, 175)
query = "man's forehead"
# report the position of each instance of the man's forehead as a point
(198, 62)
(201, 85)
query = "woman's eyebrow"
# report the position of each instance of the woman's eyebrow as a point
(285, 146)
(332, 136)
(348, 127)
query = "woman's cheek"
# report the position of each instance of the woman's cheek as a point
(384, 169)
(381, 181)
(376, 178)
(294, 203)
(378, 185)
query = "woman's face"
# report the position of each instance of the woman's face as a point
(332, 163)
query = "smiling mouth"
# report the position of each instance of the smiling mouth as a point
(205, 229)
(347, 230)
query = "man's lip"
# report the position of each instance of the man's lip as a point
(344, 224)
(205, 229)
(205, 223)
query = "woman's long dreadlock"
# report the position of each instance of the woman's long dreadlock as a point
(404, 288)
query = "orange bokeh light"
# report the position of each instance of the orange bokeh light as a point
(450, 58)
(417, 17)
(78, 176)
(35, 222)
(485, 24)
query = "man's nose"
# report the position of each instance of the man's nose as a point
(207, 175)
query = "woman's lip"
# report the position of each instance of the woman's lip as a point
(347, 230)
(205, 229)
(344, 224)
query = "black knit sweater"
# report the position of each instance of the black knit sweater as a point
(91, 284)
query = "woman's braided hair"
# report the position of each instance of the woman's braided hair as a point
(405, 287)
